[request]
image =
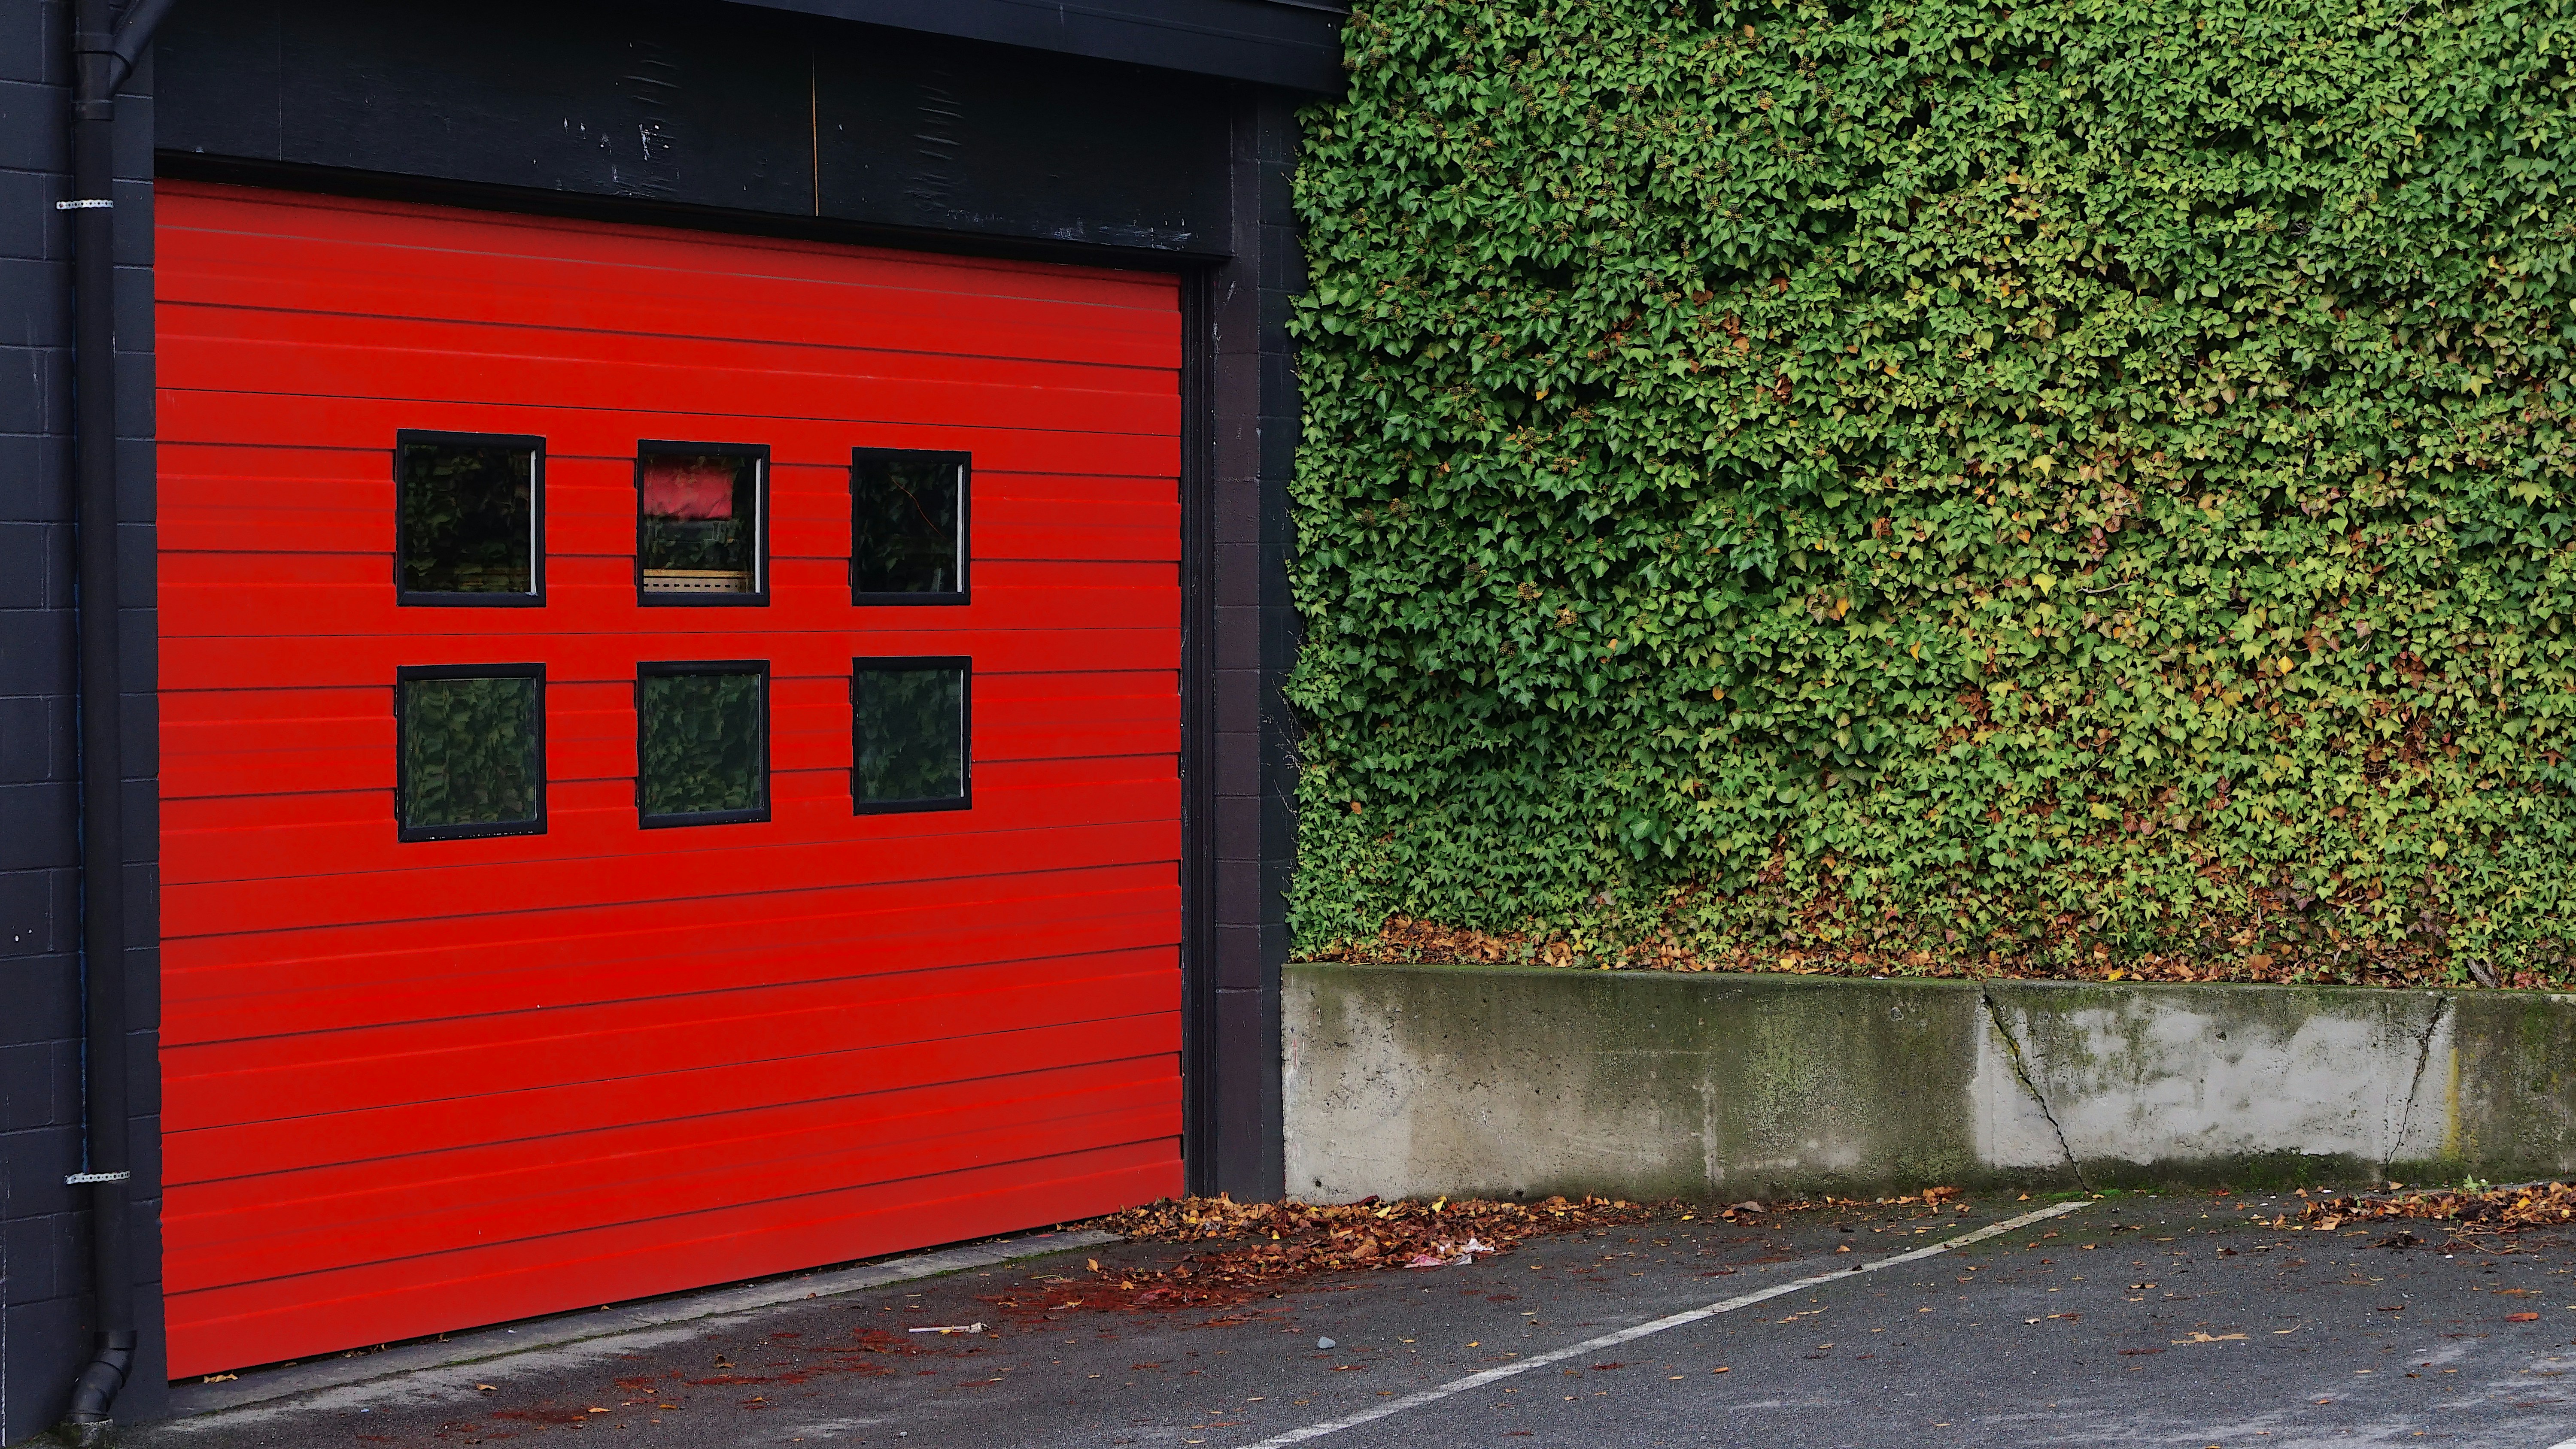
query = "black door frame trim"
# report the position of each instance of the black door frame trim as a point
(1198, 731)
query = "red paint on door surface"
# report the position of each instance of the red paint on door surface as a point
(413, 1086)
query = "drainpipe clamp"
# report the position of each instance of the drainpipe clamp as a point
(79, 1178)
(84, 206)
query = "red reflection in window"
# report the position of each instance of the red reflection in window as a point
(677, 487)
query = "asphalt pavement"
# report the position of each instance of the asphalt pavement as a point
(2126, 1320)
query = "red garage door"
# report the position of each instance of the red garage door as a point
(669, 759)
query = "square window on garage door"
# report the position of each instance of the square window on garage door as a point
(909, 731)
(908, 526)
(470, 750)
(701, 523)
(702, 742)
(469, 518)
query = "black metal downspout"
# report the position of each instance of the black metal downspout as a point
(102, 57)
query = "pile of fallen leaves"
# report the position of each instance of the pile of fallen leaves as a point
(2256, 952)
(2494, 1210)
(1275, 1244)
(1364, 1234)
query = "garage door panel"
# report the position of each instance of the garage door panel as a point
(486, 1057)
(236, 891)
(247, 1168)
(592, 816)
(498, 882)
(628, 278)
(317, 1312)
(246, 604)
(1100, 401)
(237, 663)
(818, 1159)
(860, 938)
(344, 833)
(810, 457)
(341, 739)
(461, 262)
(387, 971)
(477, 270)
(415, 1085)
(257, 535)
(948, 324)
(247, 1151)
(333, 355)
(851, 944)
(348, 1215)
(345, 426)
(473, 257)
(809, 756)
(573, 956)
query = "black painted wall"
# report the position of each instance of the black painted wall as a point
(681, 113)
(44, 1242)
(1296, 44)
(699, 106)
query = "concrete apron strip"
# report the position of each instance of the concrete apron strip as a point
(379, 1375)
(1626, 1335)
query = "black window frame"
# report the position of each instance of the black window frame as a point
(907, 663)
(535, 598)
(965, 462)
(664, 668)
(406, 674)
(758, 597)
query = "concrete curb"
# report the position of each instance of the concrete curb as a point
(483, 1345)
(1415, 1080)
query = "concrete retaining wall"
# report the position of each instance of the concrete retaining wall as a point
(1430, 1079)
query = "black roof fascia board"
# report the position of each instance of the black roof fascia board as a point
(1292, 43)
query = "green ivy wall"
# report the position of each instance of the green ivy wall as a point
(1940, 483)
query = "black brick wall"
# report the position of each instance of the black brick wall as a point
(44, 1241)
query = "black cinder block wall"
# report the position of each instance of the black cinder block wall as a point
(45, 1321)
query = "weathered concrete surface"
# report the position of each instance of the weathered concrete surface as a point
(1430, 1079)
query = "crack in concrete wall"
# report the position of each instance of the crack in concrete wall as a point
(2021, 1070)
(2415, 1083)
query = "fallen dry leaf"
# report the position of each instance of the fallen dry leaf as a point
(1825, 945)
(2497, 1210)
(1272, 1245)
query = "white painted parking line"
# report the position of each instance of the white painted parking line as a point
(1627, 1335)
